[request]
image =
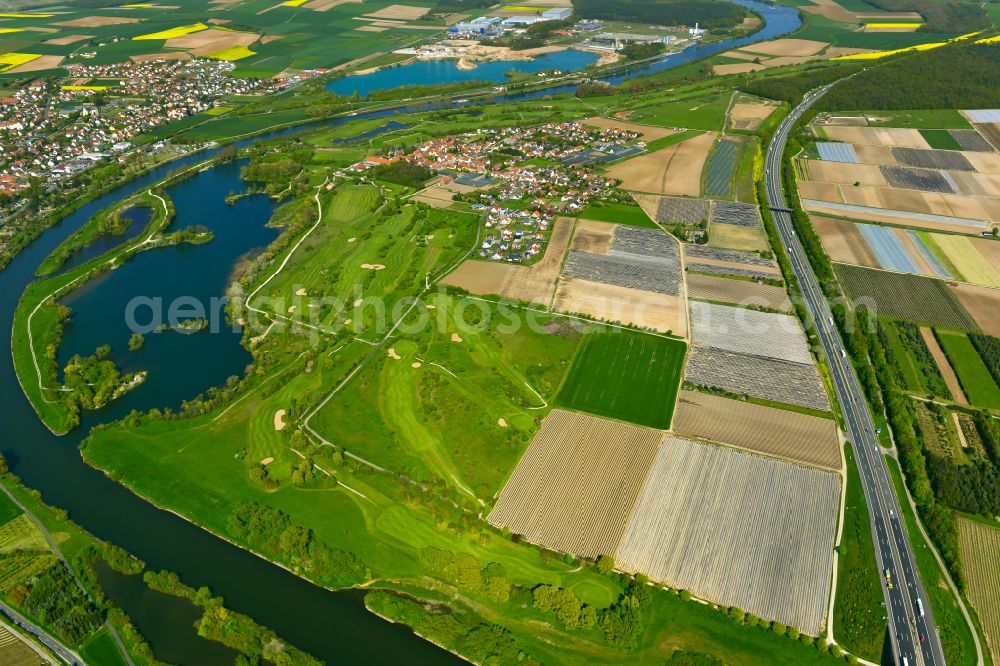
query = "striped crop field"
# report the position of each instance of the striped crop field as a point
(14, 651)
(980, 545)
(576, 485)
(749, 332)
(778, 432)
(965, 256)
(625, 375)
(913, 298)
(719, 170)
(737, 529)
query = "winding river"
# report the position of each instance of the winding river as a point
(333, 626)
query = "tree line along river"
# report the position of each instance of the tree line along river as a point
(333, 626)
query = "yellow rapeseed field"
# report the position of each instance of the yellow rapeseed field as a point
(232, 53)
(179, 31)
(15, 59)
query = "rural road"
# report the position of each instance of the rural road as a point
(45, 639)
(915, 639)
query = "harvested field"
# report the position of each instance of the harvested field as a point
(926, 180)
(929, 203)
(831, 10)
(932, 159)
(900, 296)
(641, 309)
(976, 184)
(984, 162)
(982, 304)
(97, 21)
(736, 237)
(979, 547)
(737, 529)
(674, 170)
(943, 366)
(749, 113)
(844, 173)
(971, 140)
(748, 332)
(625, 375)
(876, 136)
(67, 40)
(738, 292)
(787, 47)
(648, 132)
(593, 237)
(819, 191)
(403, 12)
(576, 485)
(737, 68)
(211, 41)
(534, 283)
(843, 241)
(742, 214)
(778, 432)
(38, 64)
(757, 376)
(166, 55)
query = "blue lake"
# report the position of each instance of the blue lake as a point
(435, 72)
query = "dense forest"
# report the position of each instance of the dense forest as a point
(708, 13)
(793, 88)
(959, 76)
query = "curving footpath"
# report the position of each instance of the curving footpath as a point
(913, 634)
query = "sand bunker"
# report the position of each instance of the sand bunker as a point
(455, 337)
(267, 461)
(291, 309)
(393, 355)
(279, 420)
(416, 364)
(373, 267)
(300, 292)
(502, 422)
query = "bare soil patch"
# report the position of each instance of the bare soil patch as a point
(830, 10)
(404, 12)
(843, 241)
(877, 136)
(749, 115)
(982, 303)
(166, 55)
(38, 64)
(97, 21)
(674, 170)
(211, 40)
(737, 68)
(643, 309)
(67, 40)
(592, 236)
(788, 47)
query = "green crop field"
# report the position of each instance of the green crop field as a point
(940, 139)
(625, 375)
(975, 377)
(901, 296)
(922, 119)
(101, 649)
(619, 214)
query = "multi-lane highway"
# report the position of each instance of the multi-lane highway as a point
(915, 638)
